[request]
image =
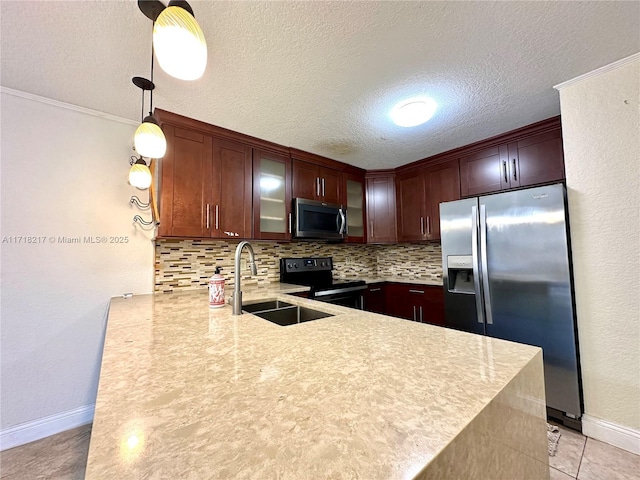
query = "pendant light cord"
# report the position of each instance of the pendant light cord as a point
(151, 98)
(142, 107)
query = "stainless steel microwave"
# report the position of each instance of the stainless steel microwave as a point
(318, 220)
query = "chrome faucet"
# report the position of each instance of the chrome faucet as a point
(237, 293)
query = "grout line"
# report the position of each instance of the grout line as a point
(584, 447)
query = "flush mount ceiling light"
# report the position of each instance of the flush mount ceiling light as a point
(178, 40)
(413, 112)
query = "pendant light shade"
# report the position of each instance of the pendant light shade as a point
(149, 139)
(140, 175)
(179, 44)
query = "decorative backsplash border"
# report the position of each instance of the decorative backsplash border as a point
(188, 264)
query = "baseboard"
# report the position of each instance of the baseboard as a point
(45, 427)
(622, 437)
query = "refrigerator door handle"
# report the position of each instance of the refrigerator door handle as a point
(485, 268)
(476, 269)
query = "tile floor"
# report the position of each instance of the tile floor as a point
(64, 456)
(582, 458)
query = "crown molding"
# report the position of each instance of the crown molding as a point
(599, 71)
(67, 106)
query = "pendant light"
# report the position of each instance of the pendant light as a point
(139, 175)
(178, 40)
(149, 140)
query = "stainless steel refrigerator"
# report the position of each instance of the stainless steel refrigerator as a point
(506, 270)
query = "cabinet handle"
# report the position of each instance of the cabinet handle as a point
(375, 289)
(317, 186)
(323, 194)
(290, 224)
(515, 175)
(208, 215)
(421, 292)
(421, 226)
(504, 165)
(414, 313)
(217, 217)
(428, 226)
(421, 313)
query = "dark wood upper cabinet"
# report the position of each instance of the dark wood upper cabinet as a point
(411, 206)
(306, 180)
(381, 208)
(271, 196)
(420, 193)
(218, 183)
(442, 184)
(186, 183)
(528, 156)
(231, 204)
(315, 182)
(206, 186)
(354, 201)
(536, 159)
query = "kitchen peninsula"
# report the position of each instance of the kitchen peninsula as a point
(191, 392)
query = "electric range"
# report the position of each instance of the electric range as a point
(316, 273)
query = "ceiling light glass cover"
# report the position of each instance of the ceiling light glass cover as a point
(413, 112)
(179, 44)
(140, 175)
(149, 140)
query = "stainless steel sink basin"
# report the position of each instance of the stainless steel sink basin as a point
(262, 306)
(283, 313)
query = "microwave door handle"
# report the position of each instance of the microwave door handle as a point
(341, 221)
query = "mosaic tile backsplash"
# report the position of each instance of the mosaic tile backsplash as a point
(188, 264)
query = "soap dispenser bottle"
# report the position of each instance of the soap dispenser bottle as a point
(216, 290)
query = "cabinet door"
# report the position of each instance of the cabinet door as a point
(381, 210)
(398, 302)
(186, 184)
(433, 305)
(484, 171)
(537, 159)
(411, 197)
(374, 298)
(271, 196)
(232, 175)
(330, 186)
(306, 180)
(443, 185)
(354, 193)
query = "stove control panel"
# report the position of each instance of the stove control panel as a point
(308, 264)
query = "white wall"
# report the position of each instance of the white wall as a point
(601, 134)
(63, 173)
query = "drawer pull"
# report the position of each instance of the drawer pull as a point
(417, 291)
(375, 289)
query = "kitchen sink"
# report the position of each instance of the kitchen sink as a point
(283, 313)
(262, 306)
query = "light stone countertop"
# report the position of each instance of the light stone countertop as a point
(196, 393)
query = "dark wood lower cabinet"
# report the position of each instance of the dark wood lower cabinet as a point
(375, 298)
(420, 303)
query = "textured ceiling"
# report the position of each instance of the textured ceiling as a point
(322, 76)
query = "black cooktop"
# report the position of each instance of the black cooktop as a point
(315, 272)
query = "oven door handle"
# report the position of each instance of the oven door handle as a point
(325, 293)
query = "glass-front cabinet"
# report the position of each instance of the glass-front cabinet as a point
(271, 196)
(354, 188)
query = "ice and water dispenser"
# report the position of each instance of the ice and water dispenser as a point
(460, 274)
